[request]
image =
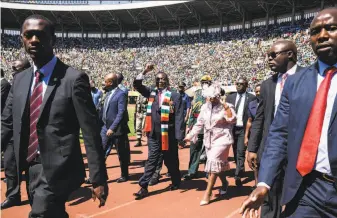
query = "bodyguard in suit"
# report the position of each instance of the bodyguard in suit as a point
(5, 87)
(164, 128)
(13, 179)
(115, 125)
(282, 58)
(241, 100)
(304, 132)
(46, 107)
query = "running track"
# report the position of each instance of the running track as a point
(160, 204)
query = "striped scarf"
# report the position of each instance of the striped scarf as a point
(164, 117)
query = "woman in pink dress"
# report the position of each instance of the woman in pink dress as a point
(217, 119)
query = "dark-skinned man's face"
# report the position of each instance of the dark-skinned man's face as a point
(37, 38)
(323, 36)
(257, 91)
(278, 57)
(161, 81)
(241, 86)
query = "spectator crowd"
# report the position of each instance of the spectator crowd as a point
(184, 58)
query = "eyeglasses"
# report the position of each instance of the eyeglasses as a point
(240, 84)
(275, 54)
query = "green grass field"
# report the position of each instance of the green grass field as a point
(131, 111)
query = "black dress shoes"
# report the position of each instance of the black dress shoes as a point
(187, 177)
(238, 182)
(122, 179)
(142, 193)
(174, 187)
(154, 181)
(139, 143)
(87, 181)
(8, 202)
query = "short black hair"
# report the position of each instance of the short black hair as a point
(166, 77)
(258, 85)
(243, 78)
(50, 24)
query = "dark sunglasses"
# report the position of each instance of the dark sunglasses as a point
(240, 84)
(275, 54)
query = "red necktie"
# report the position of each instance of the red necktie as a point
(35, 104)
(284, 77)
(307, 155)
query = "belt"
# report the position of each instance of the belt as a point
(324, 176)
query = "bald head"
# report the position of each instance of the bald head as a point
(287, 45)
(323, 35)
(282, 56)
(20, 65)
(110, 81)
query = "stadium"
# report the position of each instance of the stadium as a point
(187, 39)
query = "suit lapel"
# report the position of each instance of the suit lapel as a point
(310, 80)
(53, 80)
(333, 113)
(109, 99)
(272, 89)
(25, 87)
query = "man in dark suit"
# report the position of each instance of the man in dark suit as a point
(5, 87)
(46, 107)
(240, 100)
(154, 128)
(304, 133)
(115, 126)
(282, 58)
(13, 180)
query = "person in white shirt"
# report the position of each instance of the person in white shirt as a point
(240, 100)
(282, 58)
(303, 134)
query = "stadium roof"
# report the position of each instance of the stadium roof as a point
(153, 15)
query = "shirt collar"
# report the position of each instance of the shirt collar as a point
(291, 71)
(48, 68)
(323, 66)
(162, 90)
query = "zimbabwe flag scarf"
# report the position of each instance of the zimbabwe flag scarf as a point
(164, 117)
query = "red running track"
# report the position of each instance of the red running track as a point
(160, 204)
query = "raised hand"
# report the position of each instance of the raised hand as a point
(149, 67)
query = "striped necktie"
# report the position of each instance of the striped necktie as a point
(35, 104)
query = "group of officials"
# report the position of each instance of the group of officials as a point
(289, 128)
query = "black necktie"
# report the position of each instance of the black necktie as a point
(238, 104)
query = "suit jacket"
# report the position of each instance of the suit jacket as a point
(249, 97)
(287, 130)
(116, 113)
(5, 87)
(67, 106)
(176, 119)
(264, 115)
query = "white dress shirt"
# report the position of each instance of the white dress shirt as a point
(241, 108)
(47, 71)
(322, 160)
(141, 77)
(278, 90)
